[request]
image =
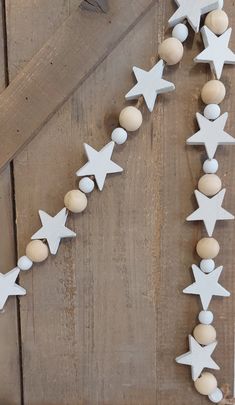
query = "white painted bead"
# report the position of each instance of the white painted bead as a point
(212, 111)
(119, 135)
(216, 396)
(210, 166)
(24, 263)
(86, 185)
(206, 317)
(207, 265)
(180, 32)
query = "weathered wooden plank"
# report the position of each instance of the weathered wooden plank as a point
(103, 321)
(10, 392)
(69, 57)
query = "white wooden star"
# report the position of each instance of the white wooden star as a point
(217, 52)
(210, 210)
(211, 134)
(192, 10)
(206, 285)
(9, 287)
(150, 84)
(53, 229)
(99, 164)
(198, 357)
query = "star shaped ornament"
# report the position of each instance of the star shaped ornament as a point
(198, 357)
(210, 210)
(211, 134)
(206, 285)
(99, 164)
(53, 229)
(150, 84)
(192, 10)
(9, 287)
(217, 52)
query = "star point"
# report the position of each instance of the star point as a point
(210, 210)
(9, 287)
(216, 52)
(198, 357)
(99, 164)
(150, 84)
(211, 134)
(192, 10)
(53, 229)
(206, 285)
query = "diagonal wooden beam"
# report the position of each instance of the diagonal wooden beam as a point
(63, 63)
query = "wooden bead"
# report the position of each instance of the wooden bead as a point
(209, 184)
(75, 201)
(171, 51)
(208, 248)
(204, 334)
(217, 21)
(213, 92)
(37, 251)
(206, 384)
(130, 118)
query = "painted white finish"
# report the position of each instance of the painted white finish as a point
(206, 286)
(53, 229)
(149, 85)
(198, 357)
(9, 287)
(216, 52)
(192, 10)
(211, 134)
(99, 164)
(210, 210)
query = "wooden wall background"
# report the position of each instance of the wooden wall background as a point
(103, 321)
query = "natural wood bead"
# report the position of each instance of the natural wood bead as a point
(206, 384)
(75, 201)
(130, 118)
(37, 251)
(204, 334)
(217, 21)
(213, 92)
(208, 248)
(209, 184)
(171, 51)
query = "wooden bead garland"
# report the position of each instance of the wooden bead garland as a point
(213, 93)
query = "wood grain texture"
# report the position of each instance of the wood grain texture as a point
(104, 319)
(48, 80)
(10, 392)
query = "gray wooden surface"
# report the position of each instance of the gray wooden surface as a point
(103, 321)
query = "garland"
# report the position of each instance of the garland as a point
(209, 195)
